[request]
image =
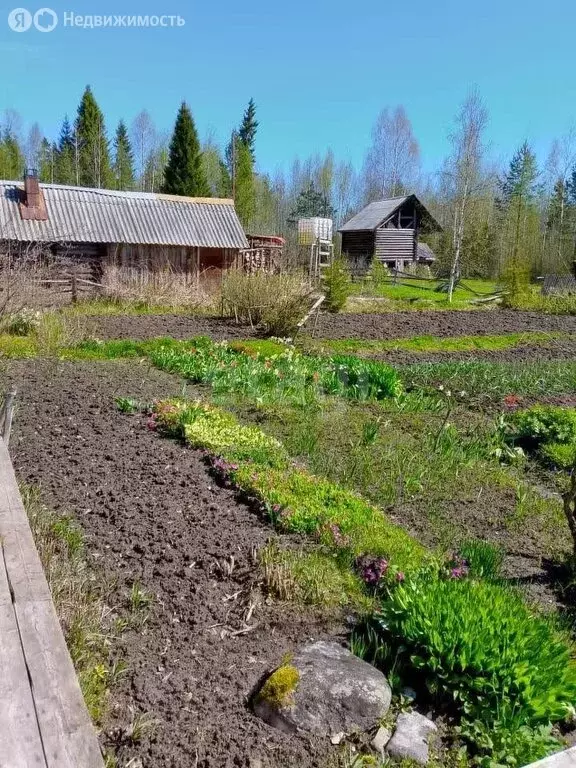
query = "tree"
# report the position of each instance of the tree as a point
(12, 159)
(123, 159)
(465, 171)
(215, 170)
(244, 189)
(519, 190)
(393, 158)
(249, 127)
(33, 145)
(184, 174)
(66, 168)
(94, 167)
(144, 141)
(310, 202)
(47, 162)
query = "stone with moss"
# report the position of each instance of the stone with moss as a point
(324, 690)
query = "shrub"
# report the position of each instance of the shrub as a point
(337, 285)
(478, 646)
(515, 279)
(379, 272)
(559, 455)
(543, 424)
(24, 322)
(276, 302)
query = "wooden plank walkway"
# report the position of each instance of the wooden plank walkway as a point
(44, 722)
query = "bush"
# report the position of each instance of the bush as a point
(515, 279)
(559, 455)
(337, 285)
(276, 302)
(476, 645)
(543, 424)
(24, 322)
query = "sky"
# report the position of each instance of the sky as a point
(319, 71)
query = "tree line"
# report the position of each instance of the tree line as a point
(491, 216)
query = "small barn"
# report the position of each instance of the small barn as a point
(389, 231)
(95, 227)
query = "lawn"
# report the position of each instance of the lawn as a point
(422, 294)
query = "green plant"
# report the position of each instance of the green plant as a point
(127, 404)
(23, 323)
(515, 279)
(337, 285)
(559, 455)
(477, 646)
(484, 560)
(498, 743)
(543, 424)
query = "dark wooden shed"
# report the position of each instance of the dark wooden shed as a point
(389, 231)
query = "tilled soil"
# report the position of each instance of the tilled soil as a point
(553, 350)
(391, 325)
(152, 513)
(400, 325)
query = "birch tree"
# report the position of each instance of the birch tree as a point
(464, 171)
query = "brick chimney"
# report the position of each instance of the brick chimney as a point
(33, 206)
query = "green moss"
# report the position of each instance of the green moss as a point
(278, 689)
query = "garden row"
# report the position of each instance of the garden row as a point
(452, 628)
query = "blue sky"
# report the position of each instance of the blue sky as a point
(319, 71)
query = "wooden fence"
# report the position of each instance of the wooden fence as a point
(44, 722)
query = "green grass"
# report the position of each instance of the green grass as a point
(492, 381)
(420, 294)
(431, 344)
(110, 307)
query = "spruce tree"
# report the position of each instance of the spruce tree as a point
(248, 128)
(519, 191)
(12, 160)
(184, 174)
(244, 188)
(46, 162)
(65, 160)
(123, 159)
(311, 202)
(93, 150)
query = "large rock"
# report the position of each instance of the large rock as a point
(411, 737)
(324, 690)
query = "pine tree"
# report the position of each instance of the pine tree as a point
(65, 160)
(93, 150)
(249, 127)
(184, 174)
(311, 202)
(123, 159)
(46, 162)
(12, 160)
(244, 188)
(518, 204)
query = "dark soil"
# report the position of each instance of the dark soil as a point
(152, 513)
(553, 350)
(399, 325)
(139, 327)
(390, 325)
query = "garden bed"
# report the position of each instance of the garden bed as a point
(153, 516)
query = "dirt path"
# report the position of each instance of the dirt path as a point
(151, 513)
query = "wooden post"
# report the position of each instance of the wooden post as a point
(74, 282)
(8, 412)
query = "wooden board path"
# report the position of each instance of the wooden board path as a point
(44, 722)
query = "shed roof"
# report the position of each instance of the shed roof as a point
(375, 214)
(85, 215)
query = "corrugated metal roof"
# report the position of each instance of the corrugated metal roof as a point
(83, 215)
(374, 214)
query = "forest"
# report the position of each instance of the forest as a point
(492, 215)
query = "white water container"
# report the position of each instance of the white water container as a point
(314, 228)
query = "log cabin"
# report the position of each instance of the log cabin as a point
(94, 227)
(389, 231)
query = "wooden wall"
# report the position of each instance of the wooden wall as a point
(198, 262)
(395, 244)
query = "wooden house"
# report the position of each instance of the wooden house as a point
(95, 227)
(389, 231)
